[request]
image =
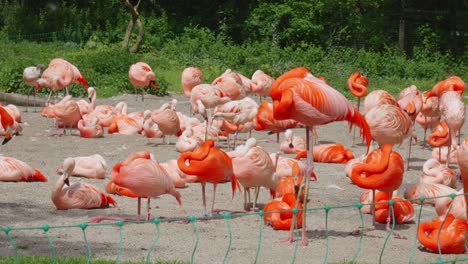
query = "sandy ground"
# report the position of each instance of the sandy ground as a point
(29, 205)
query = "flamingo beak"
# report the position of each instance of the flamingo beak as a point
(90, 99)
(7, 138)
(67, 181)
(291, 145)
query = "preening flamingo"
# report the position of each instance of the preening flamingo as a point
(30, 76)
(145, 177)
(278, 212)
(253, 168)
(427, 122)
(93, 167)
(187, 141)
(447, 237)
(151, 129)
(402, 210)
(59, 75)
(191, 77)
(141, 76)
(453, 83)
(298, 95)
(89, 127)
(209, 164)
(7, 123)
(77, 195)
(263, 83)
(439, 136)
(168, 121)
(12, 169)
(376, 98)
(357, 84)
(67, 111)
(264, 120)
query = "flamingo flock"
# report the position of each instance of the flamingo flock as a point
(295, 100)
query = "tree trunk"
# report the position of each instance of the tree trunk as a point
(135, 20)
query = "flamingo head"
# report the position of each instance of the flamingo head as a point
(153, 84)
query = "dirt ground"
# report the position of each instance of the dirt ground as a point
(30, 205)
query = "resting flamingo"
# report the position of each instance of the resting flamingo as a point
(12, 169)
(89, 127)
(447, 237)
(278, 212)
(209, 164)
(77, 195)
(427, 122)
(403, 211)
(298, 95)
(263, 83)
(93, 167)
(7, 122)
(85, 106)
(124, 124)
(191, 77)
(292, 144)
(329, 153)
(187, 141)
(30, 76)
(253, 168)
(141, 76)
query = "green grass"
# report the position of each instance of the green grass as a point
(72, 260)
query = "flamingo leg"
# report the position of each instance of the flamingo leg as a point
(277, 138)
(204, 212)
(139, 208)
(148, 210)
(373, 207)
(449, 148)
(354, 128)
(409, 153)
(257, 191)
(214, 196)
(389, 220)
(245, 199)
(309, 170)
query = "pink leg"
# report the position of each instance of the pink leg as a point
(148, 208)
(204, 212)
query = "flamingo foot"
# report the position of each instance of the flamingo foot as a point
(289, 239)
(148, 216)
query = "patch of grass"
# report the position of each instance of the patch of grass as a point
(72, 260)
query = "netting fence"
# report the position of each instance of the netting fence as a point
(227, 217)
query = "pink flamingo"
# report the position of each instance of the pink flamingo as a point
(89, 128)
(151, 129)
(191, 77)
(434, 172)
(59, 75)
(145, 177)
(93, 167)
(453, 83)
(463, 165)
(427, 121)
(452, 108)
(67, 111)
(141, 76)
(444, 155)
(292, 144)
(456, 206)
(105, 113)
(439, 136)
(176, 175)
(376, 98)
(299, 95)
(235, 85)
(253, 168)
(30, 77)
(263, 83)
(167, 120)
(124, 124)
(287, 166)
(329, 153)
(88, 107)
(187, 141)
(77, 195)
(12, 169)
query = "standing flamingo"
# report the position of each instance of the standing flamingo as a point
(141, 76)
(253, 168)
(191, 77)
(453, 83)
(376, 98)
(299, 95)
(452, 108)
(59, 75)
(263, 83)
(209, 164)
(30, 77)
(264, 120)
(357, 84)
(77, 195)
(463, 165)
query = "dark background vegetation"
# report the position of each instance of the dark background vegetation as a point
(394, 43)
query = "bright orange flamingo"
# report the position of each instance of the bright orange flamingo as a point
(447, 237)
(357, 84)
(381, 170)
(209, 164)
(142, 76)
(402, 210)
(439, 136)
(12, 169)
(453, 83)
(463, 165)
(7, 122)
(298, 95)
(77, 195)
(191, 77)
(278, 212)
(264, 120)
(329, 153)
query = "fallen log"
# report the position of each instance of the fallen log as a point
(22, 99)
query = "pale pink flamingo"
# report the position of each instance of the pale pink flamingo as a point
(59, 75)
(87, 107)
(7, 122)
(287, 166)
(408, 90)
(77, 195)
(427, 190)
(445, 154)
(263, 83)
(253, 168)
(435, 172)
(292, 144)
(187, 141)
(299, 95)
(234, 85)
(12, 169)
(167, 120)
(30, 76)
(463, 166)
(191, 77)
(93, 167)
(125, 125)
(105, 113)
(67, 111)
(452, 108)
(186, 121)
(151, 129)
(89, 127)
(176, 175)
(141, 76)
(427, 121)
(456, 206)
(376, 98)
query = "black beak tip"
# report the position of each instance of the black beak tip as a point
(6, 141)
(67, 181)
(291, 145)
